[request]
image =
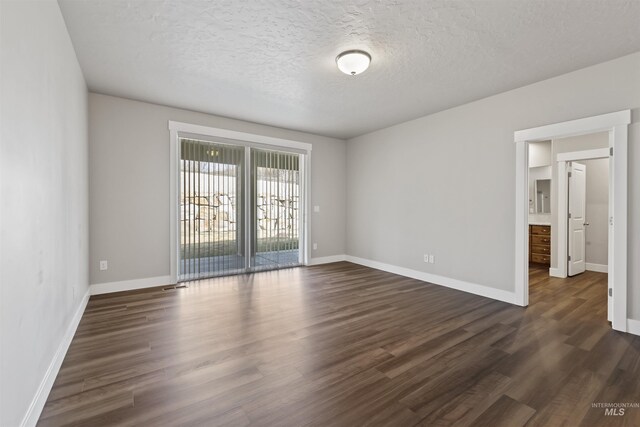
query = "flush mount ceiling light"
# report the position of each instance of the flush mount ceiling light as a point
(353, 62)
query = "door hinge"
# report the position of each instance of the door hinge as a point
(569, 174)
(610, 292)
(569, 258)
(569, 215)
(611, 151)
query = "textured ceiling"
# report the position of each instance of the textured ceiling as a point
(273, 61)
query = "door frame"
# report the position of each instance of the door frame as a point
(616, 124)
(563, 160)
(179, 129)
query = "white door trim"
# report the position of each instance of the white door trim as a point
(616, 124)
(178, 128)
(563, 215)
(598, 153)
(583, 126)
(238, 136)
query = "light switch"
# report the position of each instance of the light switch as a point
(104, 265)
(316, 208)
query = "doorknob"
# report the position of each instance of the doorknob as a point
(586, 223)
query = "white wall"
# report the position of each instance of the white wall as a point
(567, 145)
(129, 183)
(44, 216)
(539, 154)
(597, 232)
(451, 177)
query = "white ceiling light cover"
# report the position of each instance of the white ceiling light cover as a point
(353, 62)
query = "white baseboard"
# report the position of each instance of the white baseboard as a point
(40, 398)
(327, 259)
(555, 272)
(129, 285)
(633, 326)
(599, 268)
(473, 288)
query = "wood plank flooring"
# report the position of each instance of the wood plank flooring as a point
(346, 345)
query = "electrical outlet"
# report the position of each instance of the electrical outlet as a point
(315, 246)
(432, 259)
(426, 257)
(104, 265)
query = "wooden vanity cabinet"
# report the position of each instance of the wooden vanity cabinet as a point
(540, 244)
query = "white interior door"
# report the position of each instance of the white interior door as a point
(577, 220)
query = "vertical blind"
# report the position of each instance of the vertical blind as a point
(211, 209)
(276, 181)
(218, 235)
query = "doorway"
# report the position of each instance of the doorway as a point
(584, 183)
(568, 229)
(615, 124)
(239, 205)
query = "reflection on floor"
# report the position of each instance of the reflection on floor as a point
(585, 292)
(209, 266)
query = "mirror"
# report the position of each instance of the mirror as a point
(543, 196)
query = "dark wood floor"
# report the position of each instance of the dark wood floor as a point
(346, 345)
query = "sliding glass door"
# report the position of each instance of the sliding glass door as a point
(276, 203)
(211, 209)
(240, 209)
